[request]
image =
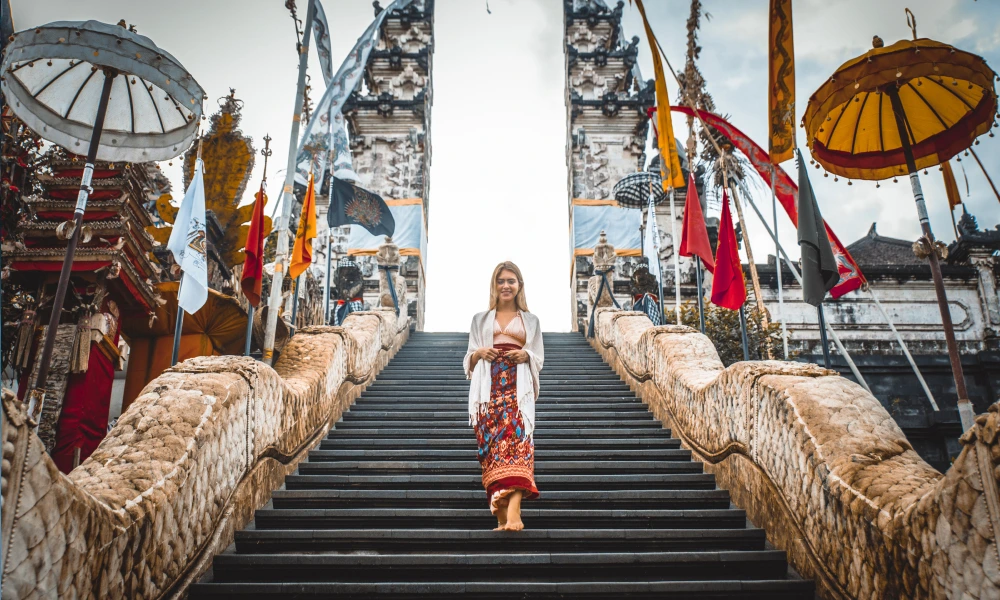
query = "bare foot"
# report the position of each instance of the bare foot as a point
(514, 522)
(501, 516)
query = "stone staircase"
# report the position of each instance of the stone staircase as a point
(390, 504)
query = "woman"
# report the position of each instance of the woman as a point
(504, 357)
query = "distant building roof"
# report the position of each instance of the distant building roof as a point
(876, 250)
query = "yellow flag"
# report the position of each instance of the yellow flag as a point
(669, 161)
(302, 251)
(781, 82)
(950, 185)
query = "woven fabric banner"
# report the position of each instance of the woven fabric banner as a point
(622, 226)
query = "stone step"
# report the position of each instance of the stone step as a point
(465, 431)
(478, 541)
(667, 481)
(640, 422)
(480, 518)
(612, 499)
(326, 462)
(361, 413)
(504, 566)
(335, 441)
(711, 589)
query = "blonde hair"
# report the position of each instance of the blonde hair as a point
(519, 300)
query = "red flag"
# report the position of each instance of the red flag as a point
(729, 289)
(253, 265)
(694, 234)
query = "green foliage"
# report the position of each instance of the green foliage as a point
(722, 326)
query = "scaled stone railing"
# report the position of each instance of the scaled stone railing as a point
(816, 461)
(198, 451)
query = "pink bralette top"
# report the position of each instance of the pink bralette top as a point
(513, 333)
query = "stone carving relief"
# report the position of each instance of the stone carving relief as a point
(412, 40)
(388, 259)
(407, 84)
(985, 267)
(586, 40)
(390, 165)
(591, 85)
(604, 260)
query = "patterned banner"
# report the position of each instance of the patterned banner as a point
(316, 143)
(781, 82)
(321, 33)
(851, 277)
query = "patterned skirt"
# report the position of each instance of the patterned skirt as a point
(506, 451)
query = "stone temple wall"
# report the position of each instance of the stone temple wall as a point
(199, 450)
(817, 462)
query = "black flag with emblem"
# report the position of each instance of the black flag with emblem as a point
(352, 205)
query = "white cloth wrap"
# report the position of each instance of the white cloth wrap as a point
(481, 336)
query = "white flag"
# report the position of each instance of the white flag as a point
(187, 243)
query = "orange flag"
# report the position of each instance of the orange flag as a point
(781, 82)
(950, 186)
(670, 163)
(302, 251)
(253, 265)
(729, 288)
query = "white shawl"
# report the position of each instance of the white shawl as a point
(481, 336)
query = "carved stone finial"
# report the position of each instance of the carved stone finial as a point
(604, 254)
(388, 254)
(388, 258)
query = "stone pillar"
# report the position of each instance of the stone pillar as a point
(604, 260)
(388, 259)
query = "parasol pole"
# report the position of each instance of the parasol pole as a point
(295, 303)
(249, 334)
(36, 398)
(288, 197)
(777, 265)
(965, 410)
(976, 156)
(179, 324)
(795, 273)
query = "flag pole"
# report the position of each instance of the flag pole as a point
(295, 303)
(178, 325)
(743, 331)
(777, 265)
(701, 300)
(976, 156)
(249, 335)
(288, 197)
(654, 233)
(822, 336)
(327, 282)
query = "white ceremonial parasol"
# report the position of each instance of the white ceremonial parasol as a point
(104, 90)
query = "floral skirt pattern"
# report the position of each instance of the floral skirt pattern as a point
(506, 451)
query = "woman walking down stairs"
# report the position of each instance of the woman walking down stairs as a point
(390, 505)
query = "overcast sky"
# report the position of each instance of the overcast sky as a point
(498, 179)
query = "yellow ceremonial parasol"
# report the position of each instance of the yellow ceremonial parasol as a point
(941, 97)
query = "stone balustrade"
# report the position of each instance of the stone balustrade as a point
(816, 461)
(195, 455)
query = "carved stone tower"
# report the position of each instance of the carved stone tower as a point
(606, 128)
(389, 123)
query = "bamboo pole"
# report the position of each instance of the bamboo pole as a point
(976, 156)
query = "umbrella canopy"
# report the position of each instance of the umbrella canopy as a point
(633, 190)
(53, 75)
(946, 94)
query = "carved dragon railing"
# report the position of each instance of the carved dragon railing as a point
(818, 462)
(200, 449)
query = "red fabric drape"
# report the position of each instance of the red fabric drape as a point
(694, 233)
(83, 422)
(729, 289)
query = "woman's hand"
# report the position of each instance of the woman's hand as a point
(489, 354)
(518, 356)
